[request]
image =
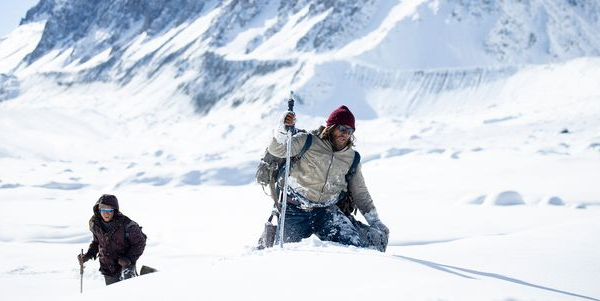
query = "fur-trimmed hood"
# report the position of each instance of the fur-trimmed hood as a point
(109, 200)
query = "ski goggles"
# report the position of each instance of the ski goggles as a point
(345, 129)
(102, 210)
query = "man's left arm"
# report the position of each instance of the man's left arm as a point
(364, 202)
(137, 242)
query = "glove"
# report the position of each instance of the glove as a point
(124, 262)
(380, 226)
(127, 273)
(83, 258)
(127, 269)
(373, 219)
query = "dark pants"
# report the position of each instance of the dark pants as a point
(110, 279)
(130, 272)
(329, 224)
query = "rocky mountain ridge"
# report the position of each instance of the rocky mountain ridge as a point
(218, 51)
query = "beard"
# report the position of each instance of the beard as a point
(339, 143)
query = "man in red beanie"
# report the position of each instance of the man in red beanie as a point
(320, 181)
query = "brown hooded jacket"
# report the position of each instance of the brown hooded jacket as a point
(124, 238)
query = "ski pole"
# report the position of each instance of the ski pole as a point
(288, 152)
(81, 273)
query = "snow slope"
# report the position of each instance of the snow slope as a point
(440, 182)
(483, 165)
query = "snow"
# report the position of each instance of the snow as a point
(396, 14)
(284, 41)
(487, 197)
(504, 198)
(77, 66)
(19, 43)
(197, 202)
(552, 200)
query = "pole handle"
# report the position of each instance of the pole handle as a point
(290, 109)
(291, 102)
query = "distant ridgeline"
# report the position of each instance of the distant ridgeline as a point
(237, 52)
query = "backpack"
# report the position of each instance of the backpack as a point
(131, 224)
(270, 169)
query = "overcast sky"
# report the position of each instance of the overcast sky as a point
(11, 12)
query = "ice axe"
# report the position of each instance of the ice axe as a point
(288, 152)
(81, 273)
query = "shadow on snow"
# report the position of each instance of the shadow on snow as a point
(457, 271)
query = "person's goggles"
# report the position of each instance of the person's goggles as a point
(109, 210)
(345, 129)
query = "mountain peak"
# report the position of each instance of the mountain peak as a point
(119, 40)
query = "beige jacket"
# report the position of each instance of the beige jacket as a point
(319, 175)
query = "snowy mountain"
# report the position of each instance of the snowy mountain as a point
(477, 122)
(212, 49)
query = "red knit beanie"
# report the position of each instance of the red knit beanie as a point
(341, 115)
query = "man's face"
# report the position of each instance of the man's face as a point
(107, 212)
(340, 136)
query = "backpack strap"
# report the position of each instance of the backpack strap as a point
(306, 146)
(296, 158)
(345, 199)
(353, 167)
(351, 172)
